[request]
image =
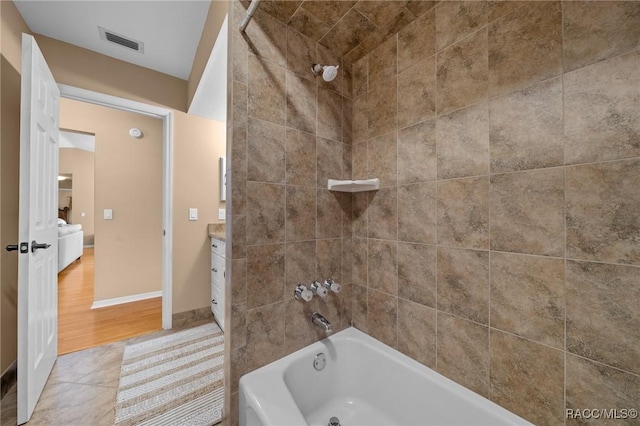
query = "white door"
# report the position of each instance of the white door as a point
(37, 268)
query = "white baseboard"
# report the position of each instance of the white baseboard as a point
(126, 299)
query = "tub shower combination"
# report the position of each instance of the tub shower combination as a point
(351, 379)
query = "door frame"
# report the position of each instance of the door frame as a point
(166, 115)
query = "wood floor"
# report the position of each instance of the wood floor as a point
(80, 327)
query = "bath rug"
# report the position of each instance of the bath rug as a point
(175, 379)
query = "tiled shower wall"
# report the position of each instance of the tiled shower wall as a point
(288, 136)
(503, 248)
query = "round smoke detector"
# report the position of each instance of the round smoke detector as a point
(135, 133)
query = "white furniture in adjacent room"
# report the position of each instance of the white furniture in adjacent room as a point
(217, 280)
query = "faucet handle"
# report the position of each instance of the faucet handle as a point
(332, 285)
(318, 289)
(301, 292)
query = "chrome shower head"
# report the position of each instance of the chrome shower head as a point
(329, 72)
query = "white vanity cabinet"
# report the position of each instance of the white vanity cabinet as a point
(217, 280)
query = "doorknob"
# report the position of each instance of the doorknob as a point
(23, 247)
(35, 246)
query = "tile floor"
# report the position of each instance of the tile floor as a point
(81, 389)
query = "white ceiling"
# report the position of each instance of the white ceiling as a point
(82, 141)
(170, 30)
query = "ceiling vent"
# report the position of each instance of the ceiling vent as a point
(119, 39)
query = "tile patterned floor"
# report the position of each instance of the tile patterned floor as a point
(81, 389)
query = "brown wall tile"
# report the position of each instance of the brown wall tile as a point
(265, 152)
(308, 24)
(360, 261)
(329, 216)
(417, 93)
(329, 260)
(382, 159)
(591, 384)
(597, 31)
(383, 62)
(267, 39)
(417, 332)
(525, 46)
(457, 19)
(382, 314)
(417, 210)
(417, 153)
(383, 266)
(266, 213)
(527, 212)
(265, 275)
(382, 112)
(301, 103)
(360, 121)
(300, 158)
(603, 316)
(359, 218)
(417, 274)
(527, 378)
(301, 213)
(329, 114)
(528, 297)
(463, 212)
(526, 128)
(360, 308)
(463, 283)
(462, 73)
(462, 139)
(603, 202)
(463, 352)
(416, 41)
(601, 120)
(300, 267)
(267, 89)
(382, 214)
(299, 331)
(329, 161)
(300, 53)
(360, 77)
(265, 335)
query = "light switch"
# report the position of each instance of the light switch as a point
(193, 214)
(108, 214)
(221, 214)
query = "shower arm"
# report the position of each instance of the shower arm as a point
(252, 9)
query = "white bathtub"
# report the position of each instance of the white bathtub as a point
(364, 382)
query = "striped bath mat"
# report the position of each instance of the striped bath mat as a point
(173, 380)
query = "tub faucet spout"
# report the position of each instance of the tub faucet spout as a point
(322, 322)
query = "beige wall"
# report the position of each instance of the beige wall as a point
(88, 70)
(215, 18)
(128, 179)
(80, 164)
(502, 248)
(12, 26)
(197, 148)
(84, 68)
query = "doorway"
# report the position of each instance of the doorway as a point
(108, 288)
(166, 115)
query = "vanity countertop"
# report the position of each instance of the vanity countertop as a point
(216, 230)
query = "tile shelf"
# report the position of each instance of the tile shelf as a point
(354, 185)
